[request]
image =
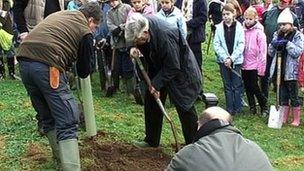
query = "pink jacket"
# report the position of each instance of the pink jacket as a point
(255, 49)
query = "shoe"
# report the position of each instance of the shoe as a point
(141, 144)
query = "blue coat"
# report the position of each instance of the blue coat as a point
(198, 21)
(294, 50)
(220, 47)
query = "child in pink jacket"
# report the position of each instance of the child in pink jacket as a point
(254, 60)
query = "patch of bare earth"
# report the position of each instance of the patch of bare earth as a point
(109, 155)
(35, 154)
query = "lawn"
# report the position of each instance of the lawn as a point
(123, 121)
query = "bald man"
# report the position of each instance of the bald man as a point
(219, 146)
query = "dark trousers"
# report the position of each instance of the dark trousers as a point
(289, 91)
(250, 78)
(56, 108)
(233, 88)
(265, 79)
(154, 120)
(197, 51)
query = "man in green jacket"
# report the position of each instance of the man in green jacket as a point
(44, 55)
(219, 146)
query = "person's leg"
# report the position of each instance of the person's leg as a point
(284, 101)
(294, 102)
(2, 68)
(254, 86)
(226, 75)
(237, 89)
(265, 79)
(246, 75)
(45, 120)
(64, 111)
(197, 51)
(128, 73)
(188, 121)
(153, 118)
(11, 62)
(101, 62)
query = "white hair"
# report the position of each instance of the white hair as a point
(135, 26)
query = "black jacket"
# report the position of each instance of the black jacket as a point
(198, 21)
(171, 63)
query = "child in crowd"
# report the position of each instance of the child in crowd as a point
(172, 15)
(267, 5)
(142, 7)
(258, 5)
(239, 11)
(7, 25)
(288, 41)
(116, 19)
(254, 60)
(229, 44)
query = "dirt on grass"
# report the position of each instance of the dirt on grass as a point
(35, 153)
(109, 155)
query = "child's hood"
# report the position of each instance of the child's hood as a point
(258, 26)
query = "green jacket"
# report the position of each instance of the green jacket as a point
(223, 149)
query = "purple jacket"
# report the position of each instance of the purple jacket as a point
(255, 49)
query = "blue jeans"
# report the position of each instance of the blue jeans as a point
(56, 108)
(232, 87)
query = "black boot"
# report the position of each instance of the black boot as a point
(2, 69)
(11, 67)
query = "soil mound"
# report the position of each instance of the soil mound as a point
(109, 155)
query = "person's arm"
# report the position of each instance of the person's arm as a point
(181, 24)
(86, 59)
(218, 45)
(18, 11)
(296, 47)
(201, 17)
(262, 53)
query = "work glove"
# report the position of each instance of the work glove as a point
(116, 31)
(279, 44)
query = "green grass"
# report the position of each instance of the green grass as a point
(123, 121)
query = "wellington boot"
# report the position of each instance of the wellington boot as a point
(130, 85)
(296, 116)
(51, 136)
(285, 114)
(69, 155)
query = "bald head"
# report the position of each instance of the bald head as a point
(214, 113)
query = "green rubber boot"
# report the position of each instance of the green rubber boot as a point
(69, 155)
(51, 136)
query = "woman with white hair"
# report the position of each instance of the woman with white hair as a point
(172, 68)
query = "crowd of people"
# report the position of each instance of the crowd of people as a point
(57, 36)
